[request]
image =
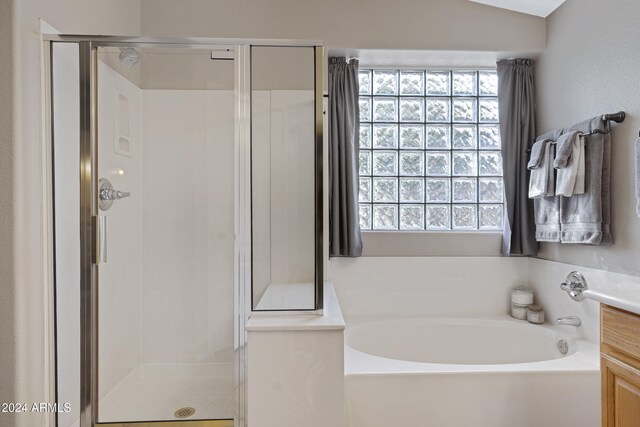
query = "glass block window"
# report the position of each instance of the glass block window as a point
(430, 151)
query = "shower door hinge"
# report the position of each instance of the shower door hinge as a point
(222, 52)
(100, 227)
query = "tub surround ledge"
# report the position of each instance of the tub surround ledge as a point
(330, 319)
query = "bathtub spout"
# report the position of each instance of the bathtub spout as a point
(569, 320)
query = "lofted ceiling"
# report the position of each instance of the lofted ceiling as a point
(541, 8)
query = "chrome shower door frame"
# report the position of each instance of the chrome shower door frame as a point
(88, 240)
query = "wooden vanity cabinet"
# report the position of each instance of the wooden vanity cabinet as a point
(620, 367)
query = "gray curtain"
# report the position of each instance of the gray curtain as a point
(344, 131)
(516, 100)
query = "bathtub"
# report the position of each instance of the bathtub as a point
(468, 372)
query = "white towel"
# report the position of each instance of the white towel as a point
(567, 162)
(638, 176)
(541, 182)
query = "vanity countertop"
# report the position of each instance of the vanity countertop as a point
(628, 300)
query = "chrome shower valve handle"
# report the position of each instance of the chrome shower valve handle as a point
(111, 194)
(575, 285)
(107, 194)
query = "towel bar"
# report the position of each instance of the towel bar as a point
(608, 118)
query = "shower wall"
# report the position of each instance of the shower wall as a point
(187, 284)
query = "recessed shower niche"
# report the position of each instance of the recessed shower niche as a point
(122, 137)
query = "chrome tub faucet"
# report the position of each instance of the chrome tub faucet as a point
(569, 320)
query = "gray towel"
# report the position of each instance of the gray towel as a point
(638, 176)
(581, 218)
(564, 149)
(541, 180)
(547, 215)
(586, 218)
(547, 209)
(537, 153)
(579, 187)
(568, 161)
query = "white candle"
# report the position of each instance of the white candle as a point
(522, 296)
(519, 311)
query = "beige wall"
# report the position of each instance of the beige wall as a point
(370, 24)
(591, 67)
(21, 230)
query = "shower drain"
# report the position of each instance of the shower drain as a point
(185, 412)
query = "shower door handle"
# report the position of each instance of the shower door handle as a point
(101, 225)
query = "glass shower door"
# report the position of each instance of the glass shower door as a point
(166, 225)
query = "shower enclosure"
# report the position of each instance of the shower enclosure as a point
(186, 196)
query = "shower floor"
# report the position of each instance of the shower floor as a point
(154, 392)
